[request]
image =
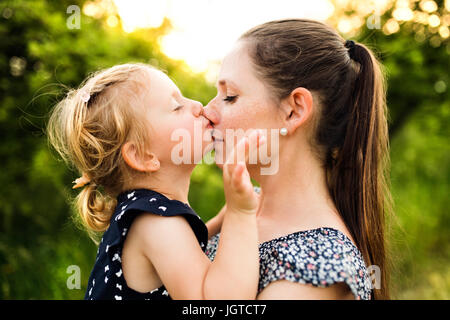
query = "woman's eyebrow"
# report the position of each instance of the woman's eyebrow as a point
(224, 82)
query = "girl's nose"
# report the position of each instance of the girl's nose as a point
(197, 109)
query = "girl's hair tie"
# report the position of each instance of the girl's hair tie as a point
(81, 181)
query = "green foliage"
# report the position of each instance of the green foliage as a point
(39, 56)
(418, 100)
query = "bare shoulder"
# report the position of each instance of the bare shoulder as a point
(288, 290)
(157, 223)
(155, 229)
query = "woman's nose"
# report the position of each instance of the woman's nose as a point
(211, 114)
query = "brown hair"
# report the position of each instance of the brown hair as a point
(88, 129)
(350, 134)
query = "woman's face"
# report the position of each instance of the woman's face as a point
(242, 102)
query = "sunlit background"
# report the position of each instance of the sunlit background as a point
(48, 46)
(203, 30)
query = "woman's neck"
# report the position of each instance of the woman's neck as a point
(296, 197)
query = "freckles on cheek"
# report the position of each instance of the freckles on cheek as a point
(246, 116)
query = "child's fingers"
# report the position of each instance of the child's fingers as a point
(257, 138)
(261, 140)
(237, 174)
(237, 154)
(241, 151)
(239, 177)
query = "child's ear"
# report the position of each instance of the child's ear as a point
(139, 161)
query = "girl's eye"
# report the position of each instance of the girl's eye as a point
(177, 108)
(230, 98)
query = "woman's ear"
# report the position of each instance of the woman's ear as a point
(139, 161)
(297, 108)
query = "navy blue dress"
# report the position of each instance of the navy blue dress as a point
(106, 281)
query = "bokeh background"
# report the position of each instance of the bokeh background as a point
(46, 47)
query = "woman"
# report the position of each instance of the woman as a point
(321, 215)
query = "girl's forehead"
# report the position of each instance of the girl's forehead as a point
(161, 80)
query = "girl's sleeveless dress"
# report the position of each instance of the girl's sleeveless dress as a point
(320, 257)
(107, 281)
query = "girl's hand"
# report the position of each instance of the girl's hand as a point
(239, 193)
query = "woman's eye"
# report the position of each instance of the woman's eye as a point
(177, 108)
(230, 98)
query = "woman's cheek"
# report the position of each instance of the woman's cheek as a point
(232, 117)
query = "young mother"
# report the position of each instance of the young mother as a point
(321, 216)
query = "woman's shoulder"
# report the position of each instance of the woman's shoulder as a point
(320, 257)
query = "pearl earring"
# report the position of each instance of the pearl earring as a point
(283, 131)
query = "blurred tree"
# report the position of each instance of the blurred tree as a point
(39, 57)
(412, 39)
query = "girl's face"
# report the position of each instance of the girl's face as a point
(179, 131)
(242, 102)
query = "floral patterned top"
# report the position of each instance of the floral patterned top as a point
(320, 257)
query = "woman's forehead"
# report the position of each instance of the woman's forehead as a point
(237, 70)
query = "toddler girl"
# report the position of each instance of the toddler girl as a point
(116, 130)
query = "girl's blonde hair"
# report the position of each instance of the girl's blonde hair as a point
(88, 129)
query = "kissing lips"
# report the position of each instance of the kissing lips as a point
(215, 138)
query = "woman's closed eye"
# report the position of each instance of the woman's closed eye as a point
(178, 108)
(230, 99)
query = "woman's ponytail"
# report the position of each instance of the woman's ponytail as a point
(358, 180)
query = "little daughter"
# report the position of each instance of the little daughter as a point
(116, 130)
